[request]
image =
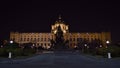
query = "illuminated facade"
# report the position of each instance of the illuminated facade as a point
(43, 39)
(60, 23)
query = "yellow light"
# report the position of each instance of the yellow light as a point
(55, 31)
(64, 31)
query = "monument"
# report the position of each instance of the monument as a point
(59, 43)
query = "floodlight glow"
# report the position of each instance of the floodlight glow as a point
(85, 45)
(11, 41)
(107, 42)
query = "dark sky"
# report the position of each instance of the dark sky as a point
(81, 16)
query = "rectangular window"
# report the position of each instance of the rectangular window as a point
(41, 44)
(48, 44)
(70, 39)
(20, 39)
(77, 39)
(48, 39)
(24, 39)
(34, 39)
(73, 39)
(41, 39)
(27, 39)
(44, 39)
(38, 39)
(45, 44)
(31, 39)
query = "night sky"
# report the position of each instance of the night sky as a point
(81, 16)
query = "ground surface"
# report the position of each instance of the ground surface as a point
(61, 60)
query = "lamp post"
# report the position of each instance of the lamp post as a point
(11, 42)
(109, 54)
(100, 46)
(10, 54)
(85, 47)
(107, 42)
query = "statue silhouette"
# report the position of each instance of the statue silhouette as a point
(59, 43)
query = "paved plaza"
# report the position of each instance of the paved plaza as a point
(61, 60)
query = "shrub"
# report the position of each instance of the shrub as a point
(102, 51)
(2, 52)
(18, 52)
(27, 52)
(114, 50)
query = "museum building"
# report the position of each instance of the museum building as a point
(44, 39)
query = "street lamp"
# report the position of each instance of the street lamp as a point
(85, 45)
(100, 45)
(1, 46)
(86, 48)
(11, 42)
(107, 42)
(109, 54)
